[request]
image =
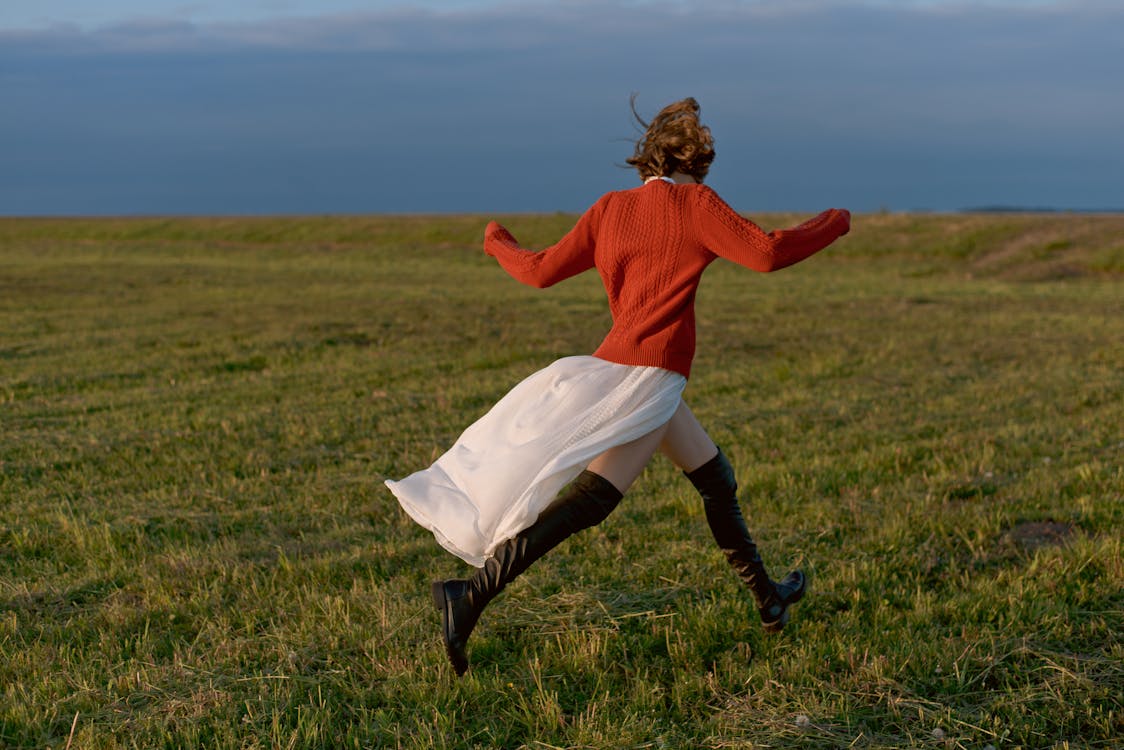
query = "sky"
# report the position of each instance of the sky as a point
(142, 107)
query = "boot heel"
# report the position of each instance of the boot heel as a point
(777, 625)
(448, 606)
(438, 591)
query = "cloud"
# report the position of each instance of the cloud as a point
(812, 103)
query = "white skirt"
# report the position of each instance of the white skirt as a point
(511, 463)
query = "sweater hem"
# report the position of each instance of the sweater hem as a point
(627, 356)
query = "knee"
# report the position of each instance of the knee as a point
(714, 476)
(597, 498)
(587, 501)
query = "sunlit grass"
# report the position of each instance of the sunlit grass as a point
(196, 548)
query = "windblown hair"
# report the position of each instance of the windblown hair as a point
(674, 141)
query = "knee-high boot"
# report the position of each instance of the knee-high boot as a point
(716, 484)
(585, 502)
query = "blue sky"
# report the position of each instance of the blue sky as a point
(280, 106)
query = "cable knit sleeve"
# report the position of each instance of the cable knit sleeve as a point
(731, 236)
(572, 254)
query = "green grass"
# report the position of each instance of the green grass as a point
(196, 549)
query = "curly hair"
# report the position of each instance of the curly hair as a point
(674, 141)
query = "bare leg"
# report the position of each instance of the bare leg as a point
(689, 447)
(585, 502)
(623, 463)
(685, 442)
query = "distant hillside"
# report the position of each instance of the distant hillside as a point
(1018, 246)
(1024, 246)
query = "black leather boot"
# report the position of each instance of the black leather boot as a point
(585, 502)
(716, 484)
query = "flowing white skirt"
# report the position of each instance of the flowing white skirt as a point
(509, 464)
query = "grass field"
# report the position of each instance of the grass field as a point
(196, 549)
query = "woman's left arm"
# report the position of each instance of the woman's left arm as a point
(736, 238)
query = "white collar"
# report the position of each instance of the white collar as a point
(655, 177)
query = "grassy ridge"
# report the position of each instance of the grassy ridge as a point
(196, 549)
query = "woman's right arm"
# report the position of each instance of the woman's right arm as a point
(572, 254)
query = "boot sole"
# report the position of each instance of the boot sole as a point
(777, 625)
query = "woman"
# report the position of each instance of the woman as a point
(557, 453)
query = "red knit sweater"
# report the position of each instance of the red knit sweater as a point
(651, 245)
